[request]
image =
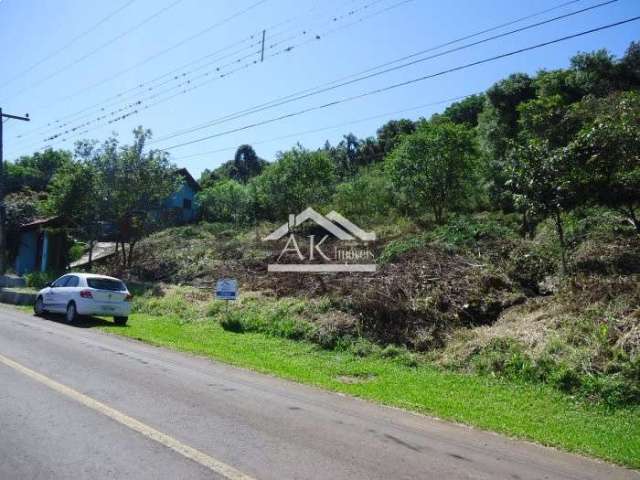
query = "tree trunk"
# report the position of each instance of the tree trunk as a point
(438, 213)
(124, 254)
(131, 244)
(563, 247)
(527, 226)
(91, 245)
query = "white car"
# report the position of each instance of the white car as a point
(77, 294)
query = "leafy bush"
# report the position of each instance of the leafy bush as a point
(559, 365)
(363, 348)
(366, 198)
(400, 354)
(464, 231)
(299, 179)
(39, 279)
(279, 319)
(174, 303)
(227, 201)
(529, 264)
(396, 248)
(232, 322)
(392, 351)
(76, 251)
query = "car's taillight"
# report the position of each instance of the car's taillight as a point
(86, 294)
(128, 298)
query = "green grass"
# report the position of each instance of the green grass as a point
(535, 412)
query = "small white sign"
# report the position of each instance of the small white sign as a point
(227, 289)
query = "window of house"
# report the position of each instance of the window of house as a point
(186, 204)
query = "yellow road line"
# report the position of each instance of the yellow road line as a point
(203, 459)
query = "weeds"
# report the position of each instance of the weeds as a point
(39, 279)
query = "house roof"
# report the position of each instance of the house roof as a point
(41, 222)
(189, 179)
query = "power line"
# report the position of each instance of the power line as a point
(144, 61)
(135, 107)
(208, 56)
(117, 97)
(333, 127)
(168, 49)
(112, 100)
(472, 35)
(332, 85)
(405, 83)
(52, 54)
(100, 47)
(292, 97)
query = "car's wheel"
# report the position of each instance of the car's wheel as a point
(120, 320)
(72, 313)
(38, 308)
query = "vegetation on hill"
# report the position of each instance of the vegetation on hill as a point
(272, 342)
(508, 226)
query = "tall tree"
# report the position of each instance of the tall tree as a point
(35, 171)
(227, 201)
(345, 155)
(544, 182)
(466, 110)
(435, 167)
(607, 148)
(73, 193)
(497, 127)
(246, 164)
(132, 186)
(390, 134)
(298, 179)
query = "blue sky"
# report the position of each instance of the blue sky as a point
(93, 70)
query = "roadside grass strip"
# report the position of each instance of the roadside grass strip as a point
(533, 412)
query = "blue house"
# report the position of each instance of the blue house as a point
(180, 207)
(41, 246)
(182, 204)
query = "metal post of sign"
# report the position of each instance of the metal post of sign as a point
(227, 291)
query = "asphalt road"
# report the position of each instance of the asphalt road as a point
(77, 403)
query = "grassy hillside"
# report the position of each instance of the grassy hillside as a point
(471, 296)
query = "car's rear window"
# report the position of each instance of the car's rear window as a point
(106, 284)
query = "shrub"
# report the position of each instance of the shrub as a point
(363, 348)
(232, 322)
(396, 248)
(39, 279)
(254, 315)
(464, 231)
(568, 369)
(392, 351)
(367, 197)
(76, 251)
(227, 201)
(528, 265)
(174, 303)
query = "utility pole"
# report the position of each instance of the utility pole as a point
(3, 210)
(262, 50)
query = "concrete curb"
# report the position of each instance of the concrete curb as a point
(17, 298)
(11, 281)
